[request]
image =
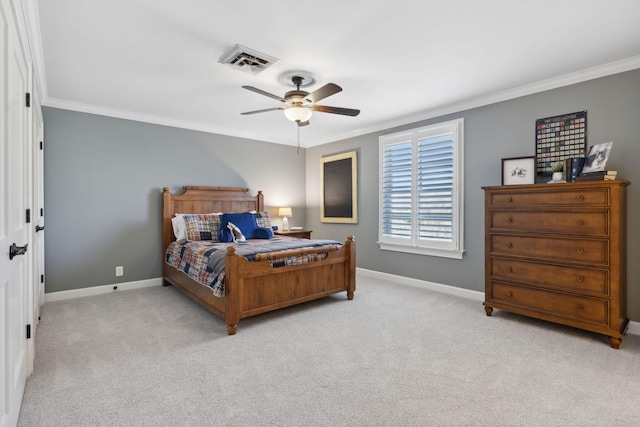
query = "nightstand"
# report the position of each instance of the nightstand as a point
(300, 234)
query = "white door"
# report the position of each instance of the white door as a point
(38, 210)
(37, 226)
(14, 199)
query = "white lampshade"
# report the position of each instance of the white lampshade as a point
(298, 113)
(284, 212)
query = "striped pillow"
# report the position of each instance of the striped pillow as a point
(262, 219)
(202, 226)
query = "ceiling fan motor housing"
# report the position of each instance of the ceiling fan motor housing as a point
(295, 97)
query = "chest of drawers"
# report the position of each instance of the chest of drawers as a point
(557, 252)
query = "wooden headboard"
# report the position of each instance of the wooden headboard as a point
(201, 200)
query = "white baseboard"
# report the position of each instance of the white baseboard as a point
(445, 289)
(634, 327)
(98, 290)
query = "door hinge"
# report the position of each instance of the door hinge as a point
(41, 212)
(28, 99)
(42, 278)
(29, 331)
(41, 145)
(28, 216)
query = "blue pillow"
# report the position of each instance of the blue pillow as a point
(262, 233)
(246, 222)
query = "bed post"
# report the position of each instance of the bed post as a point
(350, 275)
(260, 201)
(167, 230)
(232, 290)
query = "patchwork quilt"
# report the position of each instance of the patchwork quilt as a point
(203, 260)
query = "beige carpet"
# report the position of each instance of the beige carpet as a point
(394, 356)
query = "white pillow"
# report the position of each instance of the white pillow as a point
(179, 227)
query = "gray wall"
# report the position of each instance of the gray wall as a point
(493, 132)
(103, 178)
(103, 183)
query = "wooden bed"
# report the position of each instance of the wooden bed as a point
(255, 287)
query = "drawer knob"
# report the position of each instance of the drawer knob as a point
(509, 199)
(580, 250)
(509, 244)
(509, 269)
(580, 222)
(580, 279)
(508, 220)
(581, 197)
(509, 293)
(580, 307)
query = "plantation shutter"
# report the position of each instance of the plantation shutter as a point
(421, 190)
(397, 171)
(435, 197)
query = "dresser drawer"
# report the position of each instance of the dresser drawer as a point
(576, 307)
(575, 279)
(594, 223)
(560, 197)
(551, 248)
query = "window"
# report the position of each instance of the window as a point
(421, 190)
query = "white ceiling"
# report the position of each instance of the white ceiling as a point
(397, 61)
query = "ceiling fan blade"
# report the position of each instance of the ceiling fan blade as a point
(263, 111)
(335, 110)
(300, 124)
(261, 92)
(324, 92)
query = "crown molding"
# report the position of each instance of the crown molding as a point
(158, 120)
(552, 83)
(616, 67)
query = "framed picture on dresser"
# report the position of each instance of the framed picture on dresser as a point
(519, 170)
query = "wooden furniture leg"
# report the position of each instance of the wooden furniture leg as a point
(615, 342)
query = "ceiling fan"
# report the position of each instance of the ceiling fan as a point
(302, 104)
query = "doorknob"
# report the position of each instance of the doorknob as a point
(38, 228)
(15, 250)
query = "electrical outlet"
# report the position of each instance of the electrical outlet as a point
(120, 271)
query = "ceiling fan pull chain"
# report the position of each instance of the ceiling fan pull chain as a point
(298, 150)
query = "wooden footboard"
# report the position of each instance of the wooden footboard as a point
(255, 287)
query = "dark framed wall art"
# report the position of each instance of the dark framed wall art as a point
(559, 138)
(339, 185)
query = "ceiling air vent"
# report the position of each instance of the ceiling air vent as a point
(248, 60)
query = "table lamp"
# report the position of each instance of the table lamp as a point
(284, 213)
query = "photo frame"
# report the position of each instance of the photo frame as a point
(339, 187)
(519, 170)
(597, 158)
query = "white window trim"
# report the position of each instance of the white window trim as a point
(456, 248)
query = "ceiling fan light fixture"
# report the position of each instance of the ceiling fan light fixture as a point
(298, 113)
